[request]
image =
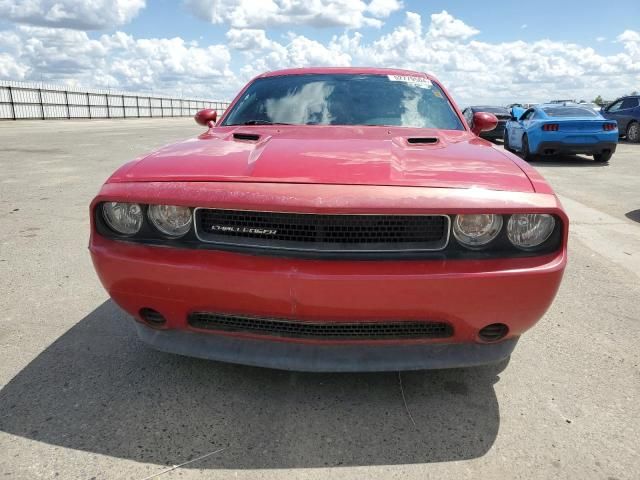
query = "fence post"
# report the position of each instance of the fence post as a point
(106, 99)
(88, 106)
(13, 107)
(138, 106)
(161, 108)
(66, 101)
(41, 105)
(124, 108)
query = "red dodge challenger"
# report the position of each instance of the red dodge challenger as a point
(333, 219)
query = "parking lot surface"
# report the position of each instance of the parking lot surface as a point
(81, 397)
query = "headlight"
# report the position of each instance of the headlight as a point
(124, 218)
(528, 230)
(171, 220)
(475, 231)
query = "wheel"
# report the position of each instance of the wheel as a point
(526, 154)
(633, 132)
(505, 142)
(602, 157)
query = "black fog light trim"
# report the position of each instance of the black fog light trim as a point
(152, 317)
(493, 332)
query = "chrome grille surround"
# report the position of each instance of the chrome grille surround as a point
(330, 233)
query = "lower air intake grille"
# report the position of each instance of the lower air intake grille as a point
(292, 329)
(322, 233)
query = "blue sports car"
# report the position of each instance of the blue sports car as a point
(560, 129)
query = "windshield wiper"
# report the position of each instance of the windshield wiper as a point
(264, 122)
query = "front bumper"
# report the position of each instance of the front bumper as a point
(556, 148)
(467, 294)
(325, 358)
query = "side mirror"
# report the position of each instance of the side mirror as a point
(483, 122)
(206, 117)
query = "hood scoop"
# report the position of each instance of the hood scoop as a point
(247, 137)
(422, 140)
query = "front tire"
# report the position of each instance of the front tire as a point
(526, 153)
(633, 132)
(602, 157)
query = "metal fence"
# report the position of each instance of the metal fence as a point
(20, 100)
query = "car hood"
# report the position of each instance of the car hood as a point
(333, 155)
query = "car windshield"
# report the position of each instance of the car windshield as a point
(345, 99)
(570, 112)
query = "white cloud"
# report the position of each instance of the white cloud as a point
(317, 13)
(262, 54)
(474, 71)
(248, 39)
(118, 61)
(631, 41)
(9, 68)
(303, 52)
(444, 25)
(76, 14)
(478, 72)
(383, 8)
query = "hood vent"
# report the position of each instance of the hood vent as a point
(422, 140)
(251, 137)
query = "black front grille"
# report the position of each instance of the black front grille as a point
(299, 231)
(298, 329)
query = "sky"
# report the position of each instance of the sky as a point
(483, 54)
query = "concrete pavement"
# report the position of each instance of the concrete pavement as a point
(81, 397)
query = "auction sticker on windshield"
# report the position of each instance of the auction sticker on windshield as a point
(410, 79)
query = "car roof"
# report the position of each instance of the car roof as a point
(477, 107)
(540, 108)
(345, 71)
(568, 103)
(560, 105)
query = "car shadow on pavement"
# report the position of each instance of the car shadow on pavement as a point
(633, 215)
(98, 389)
(569, 161)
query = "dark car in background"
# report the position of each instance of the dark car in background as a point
(501, 113)
(625, 111)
